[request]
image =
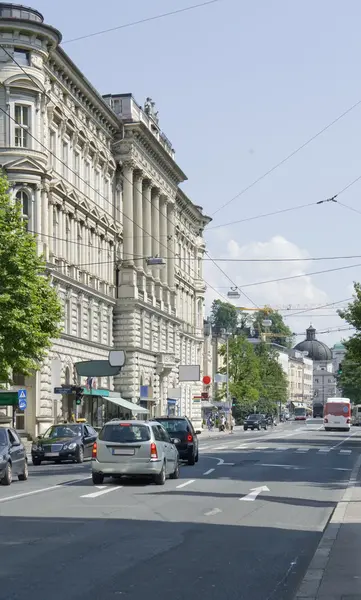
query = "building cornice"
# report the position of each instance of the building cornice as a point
(129, 305)
(194, 211)
(84, 341)
(149, 146)
(77, 285)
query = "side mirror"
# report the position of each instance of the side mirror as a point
(15, 444)
(198, 431)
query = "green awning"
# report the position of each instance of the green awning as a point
(134, 408)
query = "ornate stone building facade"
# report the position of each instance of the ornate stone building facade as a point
(98, 185)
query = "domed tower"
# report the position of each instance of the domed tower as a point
(324, 382)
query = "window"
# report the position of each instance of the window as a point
(23, 199)
(87, 178)
(22, 57)
(316, 381)
(79, 320)
(90, 324)
(65, 159)
(52, 135)
(76, 169)
(22, 127)
(124, 433)
(67, 316)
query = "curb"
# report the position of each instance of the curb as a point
(312, 580)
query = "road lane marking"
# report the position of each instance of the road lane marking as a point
(212, 512)
(241, 446)
(102, 492)
(261, 447)
(344, 440)
(281, 466)
(209, 472)
(254, 492)
(345, 451)
(204, 447)
(302, 450)
(47, 489)
(220, 448)
(324, 450)
(182, 485)
(281, 449)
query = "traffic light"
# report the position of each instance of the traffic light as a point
(339, 372)
(78, 395)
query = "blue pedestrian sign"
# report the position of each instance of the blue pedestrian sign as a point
(22, 397)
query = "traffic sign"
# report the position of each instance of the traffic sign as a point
(22, 395)
(22, 404)
(63, 390)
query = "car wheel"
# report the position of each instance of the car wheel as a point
(25, 474)
(161, 477)
(97, 478)
(8, 475)
(197, 457)
(258, 428)
(175, 474)
(36, 462)
(191, 460)
(245, 428)
(80, 457)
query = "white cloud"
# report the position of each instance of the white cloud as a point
(300, 292)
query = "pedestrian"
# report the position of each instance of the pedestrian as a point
(233, 422)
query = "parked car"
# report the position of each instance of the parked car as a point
(136, 449)
(66, 441)
(13, 461)
(255, 421)
(184, 436)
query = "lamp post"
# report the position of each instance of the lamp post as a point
(227, 335)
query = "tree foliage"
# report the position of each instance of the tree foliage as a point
(349, 381)
(30, 310)
(224, 316)
(256, 378)
(352, 314)
(278, 327)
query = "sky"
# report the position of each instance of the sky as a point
(239, 86)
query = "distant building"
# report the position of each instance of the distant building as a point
(324, 382)
(300, 377)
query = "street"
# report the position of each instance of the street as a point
(243, 523)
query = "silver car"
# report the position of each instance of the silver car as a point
(134, 448)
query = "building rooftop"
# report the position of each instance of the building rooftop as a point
(316, 350)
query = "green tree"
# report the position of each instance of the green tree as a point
(278, 326)
(349, 381)
(274, 383)
(30, 310)
(224, 316)
(352, 314)
(244, 375)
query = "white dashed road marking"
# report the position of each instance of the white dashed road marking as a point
(212, 512)
(209, 472)
(102, 492)
(345, 451)
(182, 485)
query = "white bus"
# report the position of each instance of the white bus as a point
(337, 414)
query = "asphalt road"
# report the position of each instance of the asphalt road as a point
(206, 534)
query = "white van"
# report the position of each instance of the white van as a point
(337, 414)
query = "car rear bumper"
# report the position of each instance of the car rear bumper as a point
(146, 467)
(184, 451)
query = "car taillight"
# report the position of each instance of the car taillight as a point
(325, 420)
(153, 451)
(190, 438)
(94, 450)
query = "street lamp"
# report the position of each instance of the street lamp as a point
(155, 261)
(234, 293)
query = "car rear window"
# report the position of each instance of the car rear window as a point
(3, 438)
(253, 417)
(174, 425)
(125, 434)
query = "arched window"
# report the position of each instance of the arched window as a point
(22, 198)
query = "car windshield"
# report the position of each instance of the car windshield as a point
(174, 425)
(61, 431)
(124, 434)
(253, 417)
(3, 438)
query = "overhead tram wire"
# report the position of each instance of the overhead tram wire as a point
(318, 307)
(141, 21)
(289, 156)
(229, 279)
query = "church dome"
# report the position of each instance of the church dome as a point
(318, 351)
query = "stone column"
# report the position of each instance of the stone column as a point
(171, 245)
(147, 220)
(44, 219)
(155, 229)
(37, 224)
(163, 245)
(128, 243)
(61, 235)
(138, 219)
(51, 233)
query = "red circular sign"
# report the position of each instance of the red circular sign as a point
(206, 380)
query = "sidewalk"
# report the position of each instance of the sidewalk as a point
(335, 571)
(206, 434)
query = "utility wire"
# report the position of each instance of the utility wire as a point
(318, 307)
(232, 282)
(289, 156)
(140, 21)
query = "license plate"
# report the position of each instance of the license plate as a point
(124, 451)
(50, 454)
